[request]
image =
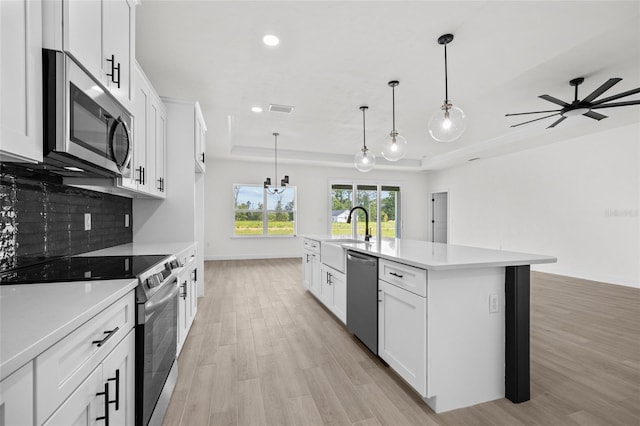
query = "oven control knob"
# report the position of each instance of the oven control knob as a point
(153, 281)
(159, 277)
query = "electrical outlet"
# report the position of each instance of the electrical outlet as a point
(493, 303)
(87, 221)
(126, 220)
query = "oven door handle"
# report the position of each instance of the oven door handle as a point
(168, 293)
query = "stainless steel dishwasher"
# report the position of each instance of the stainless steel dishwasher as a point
(362, 298)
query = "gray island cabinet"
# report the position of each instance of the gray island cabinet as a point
(453, 321)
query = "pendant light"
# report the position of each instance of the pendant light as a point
(283, 182)
(364, 160)
(396, 145)
(448, 122)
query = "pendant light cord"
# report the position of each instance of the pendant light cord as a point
(446, 81)
(364, 134)
(393, 106)
(275, 176)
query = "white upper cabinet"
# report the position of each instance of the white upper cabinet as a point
(99, 34)
(149, 140)
(118, 48)
(21, 81)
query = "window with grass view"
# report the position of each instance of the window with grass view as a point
(381, 201)
(259, 213)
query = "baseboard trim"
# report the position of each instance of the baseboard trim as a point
(253, 256)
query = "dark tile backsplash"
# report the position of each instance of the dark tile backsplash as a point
(41, 217)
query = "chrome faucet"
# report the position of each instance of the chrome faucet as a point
(367, 235)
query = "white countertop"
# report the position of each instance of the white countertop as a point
(35, 316)
(134, 249)
(438, 256)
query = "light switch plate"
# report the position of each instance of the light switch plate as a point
(87, 221)
(493, 303)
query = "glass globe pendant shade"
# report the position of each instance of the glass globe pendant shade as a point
(447, 124)
(364, 160)
(395, 147)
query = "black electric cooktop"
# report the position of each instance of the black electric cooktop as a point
(81, 268)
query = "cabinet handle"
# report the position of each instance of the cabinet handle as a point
(329, 279)
(113, 68)
(106, 405)
(202, 157)
(184, 287)
(396, 275)
(144, 170)
(117, 380)
(139, 178)
(109, 334)
(379, 295)
(118, 80)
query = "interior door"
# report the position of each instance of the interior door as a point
(439, 212)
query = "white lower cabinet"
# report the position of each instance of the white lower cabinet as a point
(84, 406)
(118, 371)
(311, 265)
(402, 333)
(16, 398)
(66, 384)
(183, 317)
(333, 291)
(106, 396)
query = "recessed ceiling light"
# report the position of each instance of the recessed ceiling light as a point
(270, 40)
(73, 169)
(256, 109)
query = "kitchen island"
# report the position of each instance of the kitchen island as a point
(453, 321)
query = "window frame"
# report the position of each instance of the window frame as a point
(265, 213)
(354, 198)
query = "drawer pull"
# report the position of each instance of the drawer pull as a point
(396, 275)
(117, 380)
(106, 405)
(107, 337)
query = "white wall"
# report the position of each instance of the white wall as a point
(312, 183)
(577, 200)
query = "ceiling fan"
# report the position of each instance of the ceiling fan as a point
(585, 106)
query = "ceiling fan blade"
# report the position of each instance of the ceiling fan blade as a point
(537, 119)
(558, 121)
(600, 90)
(616, 104)
(594, 115)
(618, 96)
(554, 100)
(532, 112)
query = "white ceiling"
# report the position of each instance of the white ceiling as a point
(337, 55)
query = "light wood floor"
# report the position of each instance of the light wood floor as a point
(263, 351)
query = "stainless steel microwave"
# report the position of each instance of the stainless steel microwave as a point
(86, 131)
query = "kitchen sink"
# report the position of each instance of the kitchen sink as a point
(333, 254)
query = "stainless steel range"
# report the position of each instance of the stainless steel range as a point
(156, 340)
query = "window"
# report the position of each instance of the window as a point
(381, 201)
(259, 213)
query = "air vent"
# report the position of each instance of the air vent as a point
(281, 108)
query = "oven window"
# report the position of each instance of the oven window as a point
(160, 341)
(89, 123)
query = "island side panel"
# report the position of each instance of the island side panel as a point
(517, 321)
(465, 349)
